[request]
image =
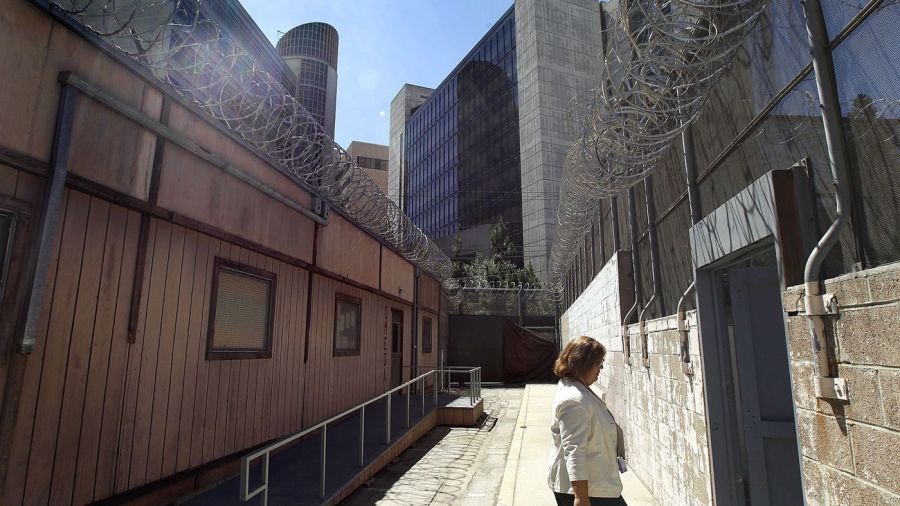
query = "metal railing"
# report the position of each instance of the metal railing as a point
(265, 453)
(446, 376)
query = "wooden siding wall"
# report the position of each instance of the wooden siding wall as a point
(339, 383)
(396, 275)
(429, 293)
(345, 249)
(428, 359)
(98, 415)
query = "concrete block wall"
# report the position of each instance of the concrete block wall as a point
(660, 409)
(849, 451)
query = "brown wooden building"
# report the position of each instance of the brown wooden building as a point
(187, 314)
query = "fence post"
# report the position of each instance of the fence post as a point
(387, 425)
(322, 464)
(362, 435)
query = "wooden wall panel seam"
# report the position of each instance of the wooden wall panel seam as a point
(37, 482)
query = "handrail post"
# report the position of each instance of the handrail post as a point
(322, 463)
(387, 425)
(434, 378)
(472, 386)
(423, 397)
(362, 435)
(408, 395)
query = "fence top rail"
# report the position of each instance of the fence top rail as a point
(308, 430)
(289, 439)
(446, 368)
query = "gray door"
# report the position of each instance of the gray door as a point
(765, 413)
(396, 347)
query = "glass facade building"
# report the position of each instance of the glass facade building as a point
(462, 150)
(311, 51)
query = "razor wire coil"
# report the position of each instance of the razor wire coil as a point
(193, 54)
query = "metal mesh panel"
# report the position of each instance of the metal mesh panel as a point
(839, 13)
(866, 64)
(242, 311)
(792, 131)
(769, 59)
(675, 265)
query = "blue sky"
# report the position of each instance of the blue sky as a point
(384, 44)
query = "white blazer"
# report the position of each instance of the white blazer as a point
(584, 442)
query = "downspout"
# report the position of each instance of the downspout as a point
(635, 274)
(690, 171)
(819, 305)
(654, 269)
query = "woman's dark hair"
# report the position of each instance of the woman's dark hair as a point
(579, 355)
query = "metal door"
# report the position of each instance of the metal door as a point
(762, 380)
(396, 347)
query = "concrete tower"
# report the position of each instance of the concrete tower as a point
(311, 52)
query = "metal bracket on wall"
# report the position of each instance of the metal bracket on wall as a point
(645, 352)
(821, 305)
(832, 388)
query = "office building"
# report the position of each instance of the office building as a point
(311, 52)
(488, 145)
(407, 101)
(373, 158)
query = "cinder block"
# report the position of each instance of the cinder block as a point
(849, 292)
(814, 487)
(792, 299)
(802, 374)
(870, 336)
(823, 438)
(889, 384)
(885, 286)
(865, 395)
(799, 340)
(875, 455)
(846, 490)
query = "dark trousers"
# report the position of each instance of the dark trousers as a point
(569, 500)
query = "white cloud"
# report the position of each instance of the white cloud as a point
(381, 113)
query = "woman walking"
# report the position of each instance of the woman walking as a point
(583, 467)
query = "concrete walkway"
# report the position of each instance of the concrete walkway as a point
(503, 461)
(450, 465)
(525, 478)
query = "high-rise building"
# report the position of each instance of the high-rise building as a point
(311, 52)
(405, 103)
(489, 143)
(372, 158)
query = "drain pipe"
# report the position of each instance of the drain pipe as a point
(819, 305)
(635, 274)
(690, 172)
(654, 269)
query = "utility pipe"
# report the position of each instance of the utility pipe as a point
(817, 305)
(654, 269)
(636, 275)
(683, 329)
(690, 172)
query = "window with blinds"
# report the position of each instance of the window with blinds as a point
(426, 335)
(241, 318)
(346, 325)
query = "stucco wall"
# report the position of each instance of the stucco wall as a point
(661, 409)
(849, 451)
